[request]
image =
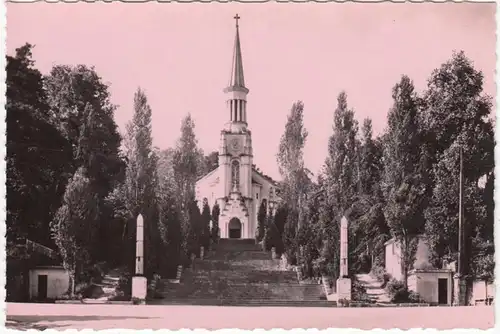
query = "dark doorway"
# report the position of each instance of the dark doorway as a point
(442, 291)
(42, 287)
(234, 228)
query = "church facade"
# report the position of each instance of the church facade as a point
(237, 185)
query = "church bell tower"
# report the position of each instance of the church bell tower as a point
(235, 154)
(235, 151)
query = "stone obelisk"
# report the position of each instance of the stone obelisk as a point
(344, 282)
(139, 281)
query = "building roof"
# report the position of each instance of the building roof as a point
(264, 176)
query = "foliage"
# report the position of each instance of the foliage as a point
(369, 230)
(338, 186)
(457, 116)
(82, 111)
(295, 176)
(39, 158)
(215, 222)
(169, 217)
(205, 225)
(404, 189)
(187, 167)
(379, 273)
(137, 193)
(358, 291)
(341, 178)
(73, 228)
(261, 221)
(211, 162)
(399, 293)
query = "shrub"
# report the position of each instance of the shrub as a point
(396, 290)
(125, 285)
(358, 291)
(343, 302)
(399, 294)
(379, 273)
(414, 297)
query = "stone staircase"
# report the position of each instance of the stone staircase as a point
(239, 273)
(375, 292)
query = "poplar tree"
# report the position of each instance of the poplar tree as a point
(215, 222)
(137, 194)
(404, 190)
(205, 222)
(369, 228)
(295, 175)
(340, 183)
(187, 167)
(261, 221)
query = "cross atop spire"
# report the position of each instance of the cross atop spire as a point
(237, 80)
(237, 17)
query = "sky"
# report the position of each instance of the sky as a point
(180, 54)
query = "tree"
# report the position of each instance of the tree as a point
(341, 171)
(38, 156)
(295, 175)
(261, 221)
(193, 230)
(205, 225)
(211, 161)
(73, 227)
(187, 167)
(81, 109)
(457, 116)
(169, 217)
(137, 193)
(368, 226)
(339, 185)
(215, 222)
(404, 190)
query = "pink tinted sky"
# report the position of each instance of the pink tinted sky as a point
(181, 55)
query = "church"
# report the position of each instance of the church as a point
(237, 185)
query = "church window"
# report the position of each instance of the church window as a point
(257, 195)
(235, 172)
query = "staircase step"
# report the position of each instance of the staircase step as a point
(261, 302)
(237, 272)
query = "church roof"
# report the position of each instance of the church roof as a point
(264, 176)
(207, 175)
(237, 79)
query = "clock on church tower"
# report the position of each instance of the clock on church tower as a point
(235, 146)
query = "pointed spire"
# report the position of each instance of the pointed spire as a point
(237, 79)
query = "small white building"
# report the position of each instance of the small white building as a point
(435, 286)
(48, 282)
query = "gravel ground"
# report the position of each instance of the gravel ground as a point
(99, 317)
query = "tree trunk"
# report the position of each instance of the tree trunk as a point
(71, 285)
(486, 291)
(405, 254)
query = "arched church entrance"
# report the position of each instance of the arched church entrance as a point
(234, 228)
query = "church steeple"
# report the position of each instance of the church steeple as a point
(237, 78)
(236, 90)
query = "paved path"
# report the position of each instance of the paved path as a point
(99, 317)
(373, 288)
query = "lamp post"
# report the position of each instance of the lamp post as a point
(459, 282)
